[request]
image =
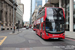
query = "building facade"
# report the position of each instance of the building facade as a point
(44, 2)
(35, 13)
(26, 24)
(38, 2)
(21, 7)
(18, 1)
(69, 7)
(19, 13)
(19, 17)
(6, 14)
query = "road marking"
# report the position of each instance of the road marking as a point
(24, 48)
(1, 41)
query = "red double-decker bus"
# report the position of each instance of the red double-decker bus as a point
(50, 23)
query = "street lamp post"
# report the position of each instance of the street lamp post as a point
(13, 31)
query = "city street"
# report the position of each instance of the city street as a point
(54, 19)
(28, 40)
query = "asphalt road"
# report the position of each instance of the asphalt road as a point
(28, 40)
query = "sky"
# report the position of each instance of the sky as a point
(26, 16)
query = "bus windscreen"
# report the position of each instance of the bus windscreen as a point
(55, 20)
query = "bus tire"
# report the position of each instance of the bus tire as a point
(41, 35)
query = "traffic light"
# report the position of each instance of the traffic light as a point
(18, 22)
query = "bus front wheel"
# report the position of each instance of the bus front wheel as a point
(41, 35)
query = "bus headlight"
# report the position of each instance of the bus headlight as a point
(63, 34)
(47, 34)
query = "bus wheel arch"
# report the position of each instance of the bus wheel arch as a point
(36, 32)
(40, 34)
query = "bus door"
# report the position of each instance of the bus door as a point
(43, 30)
(38, 28)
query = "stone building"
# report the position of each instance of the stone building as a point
(6, 14)
(19, 13)
(21, 7)
(18, 1)
(34, 16)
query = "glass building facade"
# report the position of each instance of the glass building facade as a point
(66, 5)
(46, 1)
(74, 17)
(38, 2)
(69, 8)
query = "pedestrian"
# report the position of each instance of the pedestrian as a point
(14, 28)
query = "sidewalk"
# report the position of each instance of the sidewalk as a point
(16, 32)
(69, 34)
(10, 31)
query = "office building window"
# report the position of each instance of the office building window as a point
(74, 16)
(38, 2)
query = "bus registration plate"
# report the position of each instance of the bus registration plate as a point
(55, 38)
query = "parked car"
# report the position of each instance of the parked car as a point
(32, 27)
(27, 27)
